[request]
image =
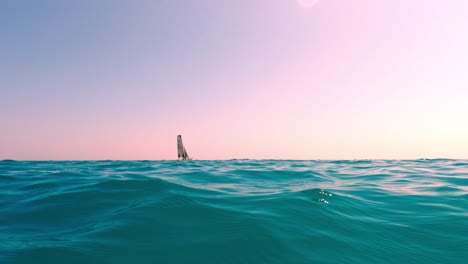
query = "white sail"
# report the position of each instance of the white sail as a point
(181, 152)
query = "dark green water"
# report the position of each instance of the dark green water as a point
(238, 211)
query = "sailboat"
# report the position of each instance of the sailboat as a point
(181, 152)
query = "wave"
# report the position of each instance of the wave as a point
(236, 211)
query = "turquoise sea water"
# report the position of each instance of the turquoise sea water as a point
(237, 211)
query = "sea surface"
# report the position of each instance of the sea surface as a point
(236, 211)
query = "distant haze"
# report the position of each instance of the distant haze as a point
(263, 79)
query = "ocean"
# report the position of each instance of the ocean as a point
(235, 211)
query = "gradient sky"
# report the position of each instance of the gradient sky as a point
(281, 79)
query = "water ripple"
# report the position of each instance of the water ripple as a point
(236, 211)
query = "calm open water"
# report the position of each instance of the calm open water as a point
(238, 211)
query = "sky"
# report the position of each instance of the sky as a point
(258, 79)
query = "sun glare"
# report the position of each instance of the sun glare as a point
(307, 3)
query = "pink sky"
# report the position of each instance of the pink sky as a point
(244, 79)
